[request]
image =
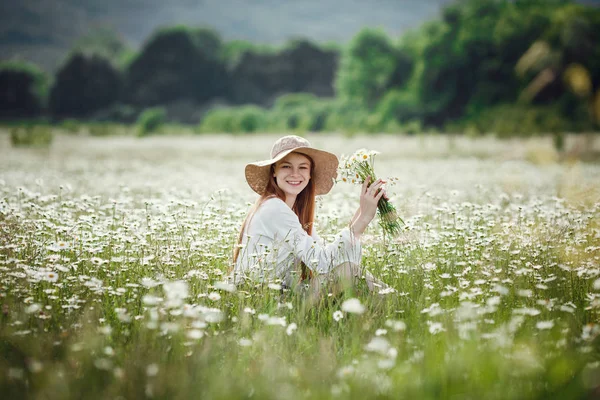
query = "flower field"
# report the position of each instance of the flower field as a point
(114, 254)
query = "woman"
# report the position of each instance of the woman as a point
(277, 242)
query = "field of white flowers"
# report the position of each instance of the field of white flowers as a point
(114, 252)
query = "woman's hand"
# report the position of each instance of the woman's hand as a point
(369, 198)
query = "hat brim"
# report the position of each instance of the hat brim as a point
(323, 174)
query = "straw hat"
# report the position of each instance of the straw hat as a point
(323, 173)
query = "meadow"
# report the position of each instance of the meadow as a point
(114, 253)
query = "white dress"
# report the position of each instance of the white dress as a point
(274, 244)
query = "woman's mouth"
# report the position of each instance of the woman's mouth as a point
(294, 183)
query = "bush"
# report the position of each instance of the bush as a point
(400, 106)
(303, 112)
(23, 90)
(350, 117)
(218, 120)
(151, 120)
(250, 119)
(118, 112)
(244, 119)
(31, 136)
(71, 125)
(516, 120)
(100, 129)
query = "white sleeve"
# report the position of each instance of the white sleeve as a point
(316, 236)
(288, 233)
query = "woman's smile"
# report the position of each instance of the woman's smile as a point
(292, 175)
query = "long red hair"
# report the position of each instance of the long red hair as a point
(304, 208)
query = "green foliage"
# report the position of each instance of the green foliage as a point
(558, 140)
(101, 129)
(23, 90)
(71, 125)
(84, 85)
(515, 120)
(117, 112)
(203, 38)
(249, 119)
(151, 120)
(31, 136)
(106, 43)
(412, 127)
(218, 120)
(477, 57)
(332, 46)
(348, 116)
(177, 63)
(301, 112)
(465, 62)
(366, 67)
(232, 51)
(244, 119)
(40, 79)
(399, 106)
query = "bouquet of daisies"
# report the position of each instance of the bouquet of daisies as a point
(355, 169)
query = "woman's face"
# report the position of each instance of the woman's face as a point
(292, 174)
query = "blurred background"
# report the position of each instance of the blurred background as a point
(511, 68)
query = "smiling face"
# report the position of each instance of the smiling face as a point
(292, 175)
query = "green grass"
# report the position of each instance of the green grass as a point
(497, 293)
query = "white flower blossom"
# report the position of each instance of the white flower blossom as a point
(353, 306)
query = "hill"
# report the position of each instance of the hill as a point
(43, 31)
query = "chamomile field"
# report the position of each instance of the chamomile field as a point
(114, 253)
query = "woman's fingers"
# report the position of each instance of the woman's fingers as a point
(365, 185)
(375, 187)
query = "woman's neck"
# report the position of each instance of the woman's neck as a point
(289, 200)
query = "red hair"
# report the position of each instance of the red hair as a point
(304, 208)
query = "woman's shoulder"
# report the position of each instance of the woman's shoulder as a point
(274, 211)
(275, 204)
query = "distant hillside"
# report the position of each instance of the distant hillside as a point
(43, 30)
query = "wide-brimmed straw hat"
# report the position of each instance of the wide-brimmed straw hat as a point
(323, 174)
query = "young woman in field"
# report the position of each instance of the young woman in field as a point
(277, 242)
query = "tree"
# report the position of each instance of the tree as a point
(22, 90)
(84, 85)
(177, 63)
(106, 43)
(368, 67)
(260, 77)
(562, 66)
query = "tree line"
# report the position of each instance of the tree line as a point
(509, 67)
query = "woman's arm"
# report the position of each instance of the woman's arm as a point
(280, 223)
(356, 215)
